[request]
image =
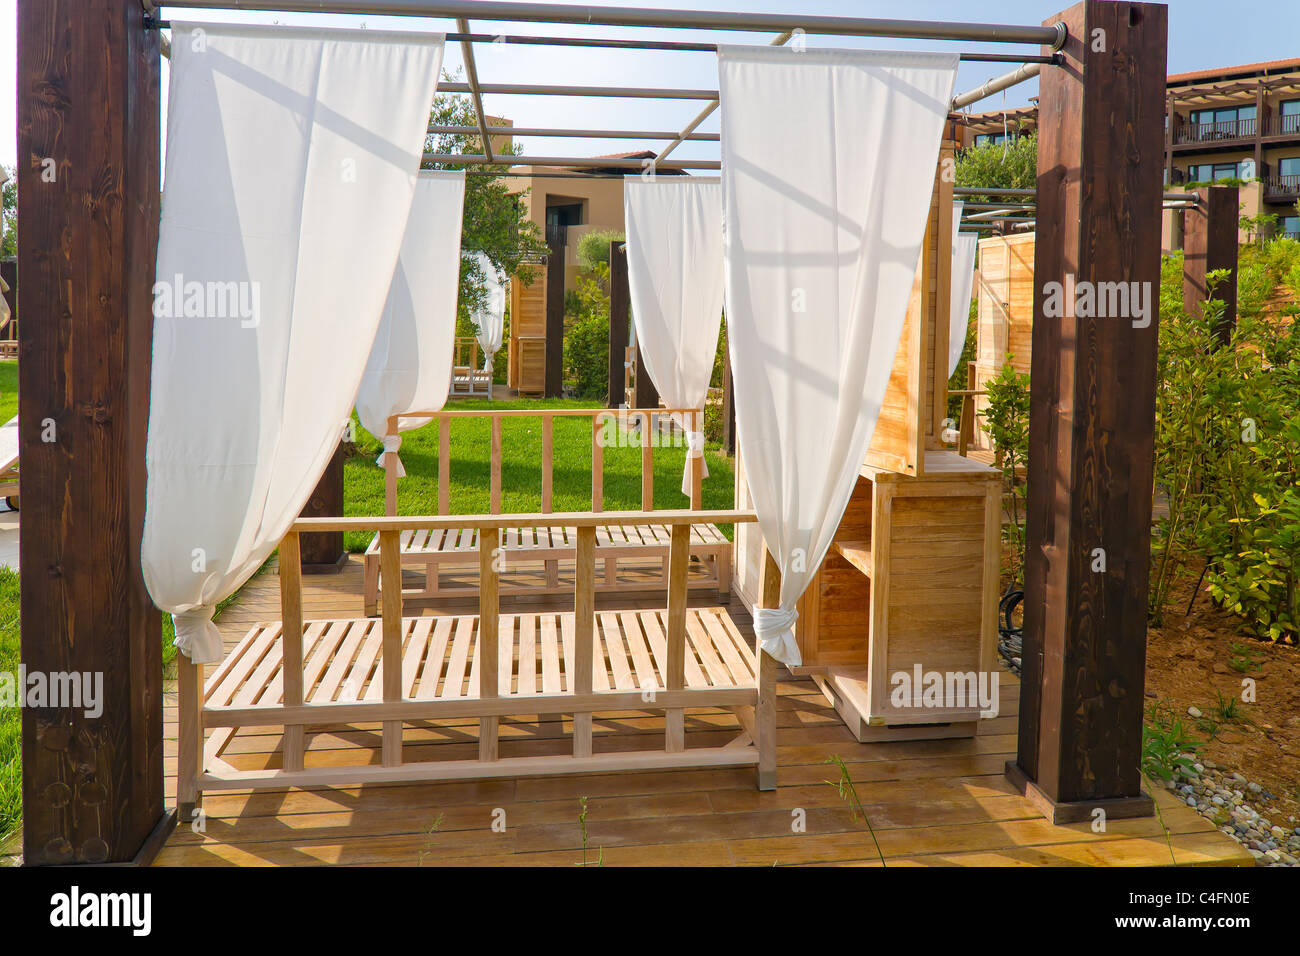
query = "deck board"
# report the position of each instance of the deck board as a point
(931, 803)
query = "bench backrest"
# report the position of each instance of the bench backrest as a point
(604, 421)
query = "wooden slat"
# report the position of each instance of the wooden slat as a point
(390, 576)
(434, 658)
(453, 685)
(675, 675)
(597, 467)
(697, 465)
(584, 625)
(494, 493)
(488, 634)
(647, 463)
(291, 644)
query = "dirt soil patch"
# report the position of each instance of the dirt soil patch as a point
(1201, 661)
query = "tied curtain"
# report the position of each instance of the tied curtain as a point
(409, 368)
(674, 277)
(292, 155)
(489, 317)
(961, 282)
(828, 162)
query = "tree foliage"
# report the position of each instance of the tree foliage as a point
(495, 221)
(1009, 165)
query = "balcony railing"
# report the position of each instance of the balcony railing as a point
(1283, 187)
(1210, 132)
(1282, 125)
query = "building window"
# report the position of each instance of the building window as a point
(1290, 115)
(1212, 172)
(1290, 166)
(995, 139)
(1290, 226)
(1225, 122)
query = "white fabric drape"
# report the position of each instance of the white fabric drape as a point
(409, 368)
(828, 160)
(961, 282)
(674, 278)
(291, 163)
(490, 320)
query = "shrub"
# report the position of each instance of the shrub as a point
(593, 248)
(1006, 420)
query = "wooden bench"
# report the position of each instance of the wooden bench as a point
(304, 675)
(539, 559)
(467, 378)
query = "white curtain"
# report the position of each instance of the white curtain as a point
(409, 369)
(828, 161)
(291, 163)
(961, 282)
(489, 320)
(674, 277)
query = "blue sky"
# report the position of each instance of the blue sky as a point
(1201, 37)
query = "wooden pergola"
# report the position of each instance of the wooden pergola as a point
(89, 84)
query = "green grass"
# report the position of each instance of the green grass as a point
(521, 470)
(8, 390)
(11, 800)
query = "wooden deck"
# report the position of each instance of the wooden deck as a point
(931, 803)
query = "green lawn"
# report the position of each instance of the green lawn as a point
(8, 390)
(521, 469)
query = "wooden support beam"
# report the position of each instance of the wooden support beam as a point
(764, 731)
(1092, 415)
(645, 394)
(553, 385)
(620, 315)
(88, 199)
(322, 551)
(1210, 243)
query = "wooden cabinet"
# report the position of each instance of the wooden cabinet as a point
(908, 590)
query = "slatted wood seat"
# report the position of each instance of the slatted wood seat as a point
(398, 670)
(539, 560)
(343, 663)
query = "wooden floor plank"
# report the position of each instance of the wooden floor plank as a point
(931, 802)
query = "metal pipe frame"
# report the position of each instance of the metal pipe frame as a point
(471, 74)
(594, 162)
(578, 133)
(496, 10)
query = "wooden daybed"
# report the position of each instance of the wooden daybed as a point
(315, 674)
(538, 558)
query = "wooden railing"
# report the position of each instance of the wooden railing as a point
(1224, 130)
(753, 698)
(652, 422)
(1288, 185)
(1279, 125)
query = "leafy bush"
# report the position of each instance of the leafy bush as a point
(593, 248)
(586, 335)
(1227, 456)
(1011, 165)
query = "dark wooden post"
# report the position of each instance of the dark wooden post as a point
(554, 359)
(88, 182)
(322, 551)
(645, 395)
(619, 316)
(1210, 243)
(1092, 415)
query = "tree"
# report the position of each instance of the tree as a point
(494, 221)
